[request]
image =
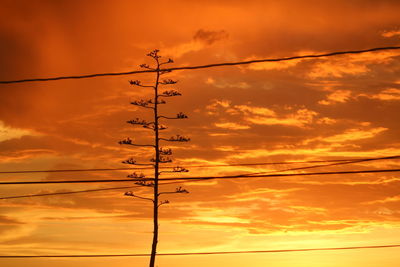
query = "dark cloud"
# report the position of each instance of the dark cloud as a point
(210, 37)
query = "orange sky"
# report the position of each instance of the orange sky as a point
(327, 108)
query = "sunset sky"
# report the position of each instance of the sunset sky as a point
(341, 107)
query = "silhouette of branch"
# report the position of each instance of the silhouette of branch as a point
(170, 93)
(145, 66)
(136, 175)
(143, 103)
(162, 72)
(152, 126)
(137, 121)
(145, 183)
(162, 159)
(165, 151)
(180, 115)
(177, 138)
(140, 176)
(176, 169)
(133, 162)
(139, 83)
(128, 141)
(130, 193)
(168, 81)
(154, 54)
(179, 190)
(163, 202)
(169, 61)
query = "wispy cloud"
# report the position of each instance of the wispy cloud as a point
(8, 133)
(232, 126)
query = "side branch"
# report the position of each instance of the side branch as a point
(177, 138)
(162, 203)
(128, 141)
(146, 66)
(143, 103)
(162, 159)
(130, 193)
(169, 61)
(153, 126)
(176, 169)
(179, 190)
(138, 83)
(168, 81)
(133, 162)
(180, 115)
(170, 93)
(138, 121)
(145, 183)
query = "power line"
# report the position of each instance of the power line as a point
(199, 253)
(69, 192)
(75, 170)
(190, 166)
(126, 187)
(115, 188)
(203, 166)
(74, 181)
(203, 177)
(330, 164)
(202, 66)
(281, 175)
(80, 191)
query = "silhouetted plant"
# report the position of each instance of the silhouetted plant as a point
(160, 154)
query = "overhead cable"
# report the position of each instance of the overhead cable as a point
(80, 191)
(206, 166)
(199, 253)
(201, 66)
(248, 176)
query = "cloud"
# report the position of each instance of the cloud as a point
(336, 69)
(349, 135)
(341, 66)
(201, 40)
(232, 126)
(251, 110)
(11, 228)
(326, 120)
(300, 118)
(385, 200)
(391, 33)
(354, 134)
(222, 83)
(266, 116)
(210, 37)
(343, 96)
(23, 155)
(338, 96)
(9, 221)
(385, 95)
(304, 153)
(8, 133)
